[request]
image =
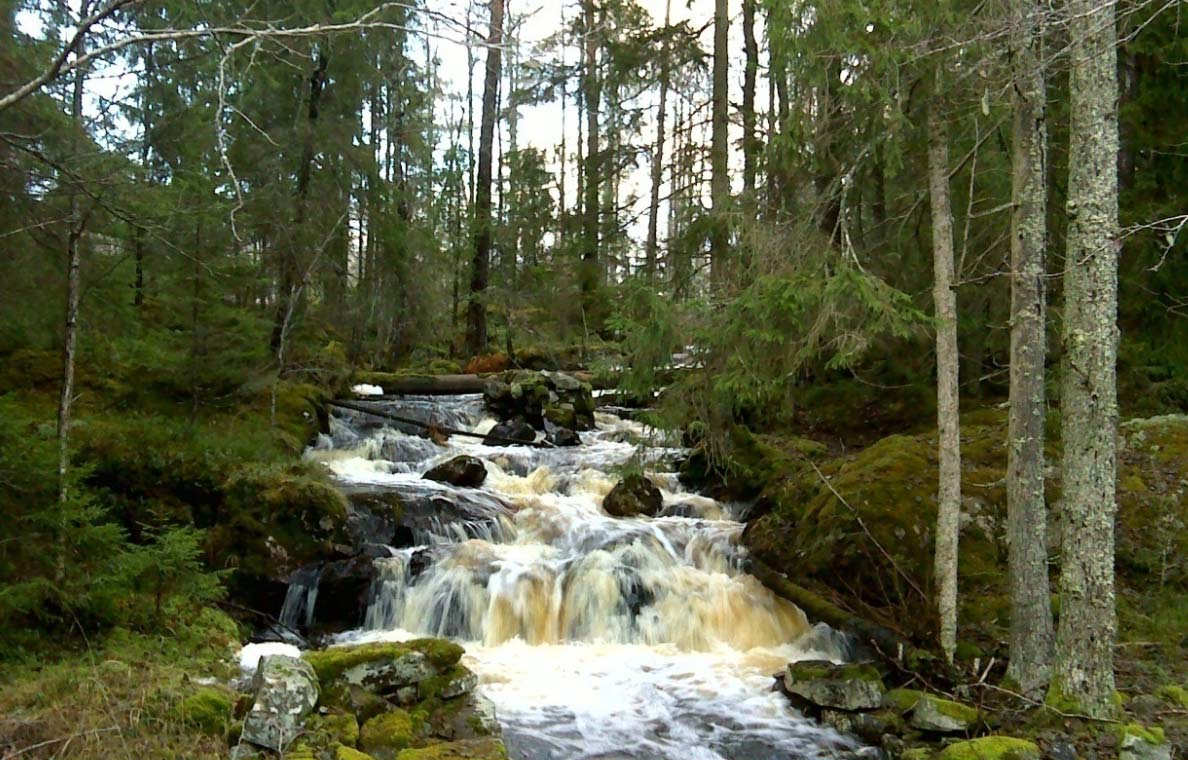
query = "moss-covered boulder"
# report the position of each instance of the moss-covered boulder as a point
(342, 752)
(633, 496)
(532, 397)
(873, 522)
(352, 663)
(467, 749)
(844, 687)
(943, 716)
(991, 748)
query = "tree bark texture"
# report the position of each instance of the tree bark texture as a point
(1084, 672)
(1031, 636)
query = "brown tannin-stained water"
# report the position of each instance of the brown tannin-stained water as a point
(594, 636)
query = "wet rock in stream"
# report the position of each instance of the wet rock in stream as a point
(461, 471)
(633, 496)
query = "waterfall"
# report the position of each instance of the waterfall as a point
(591, 633)
(301, 597)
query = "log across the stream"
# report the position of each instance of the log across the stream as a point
(433, 426)
(452, 385)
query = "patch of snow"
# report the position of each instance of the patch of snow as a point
(249, 656)
(363, 389)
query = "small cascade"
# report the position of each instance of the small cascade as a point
(669, 643)
(301, 597)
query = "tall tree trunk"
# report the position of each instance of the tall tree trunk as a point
(947, 362)
(147, 123)
(592, 169)
(562, 150)
(76, 220)
(476, 309)
(720, 146)
(471, 62)
(1084, 672)
(289, 263)
(1031, 608)
(653, 240)
(750, 143)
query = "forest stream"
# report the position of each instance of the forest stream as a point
(594, 636)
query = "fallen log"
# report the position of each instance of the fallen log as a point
(452, 385)
(430, 426)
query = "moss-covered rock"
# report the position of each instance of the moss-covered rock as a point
(384, 736)
(943, 716)
(633, 496)
(467, 749)
(450, 684)
(209, 709)
(1137, 742)
(991, 748)
(844, 687)
(333, 663)
(902, 700)
(1176, 695)
(350, 753)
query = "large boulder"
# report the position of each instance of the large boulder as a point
(532, 397)
(402, 695)
(633, 496)
(462, 471)
(286, 690)
(844, 687)
(510, 433)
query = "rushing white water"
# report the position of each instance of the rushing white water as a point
(596, 637)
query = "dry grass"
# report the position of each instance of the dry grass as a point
(117, 697)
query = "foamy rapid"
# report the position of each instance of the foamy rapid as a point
(594, 636)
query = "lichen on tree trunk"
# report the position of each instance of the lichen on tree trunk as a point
(947, 361)
(1084, 674)
(1031, 609)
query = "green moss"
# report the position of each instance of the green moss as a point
(810, 671)
(1177, 695)
(917, 753)
(902, 700)
(431, 688)
(468, 749)
(955, 710)
(208, 709)
(388, 733)
(350, 753)
(1153, 735)
(301, 751)
(331, 663)
(335, 727)
(991, 748)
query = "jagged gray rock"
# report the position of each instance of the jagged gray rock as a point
(286, 691)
